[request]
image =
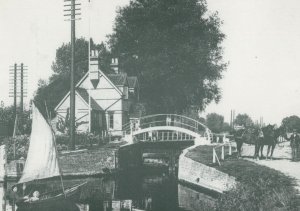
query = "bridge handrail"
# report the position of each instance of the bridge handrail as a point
(175, 120)
(177, 115)
(189, 126)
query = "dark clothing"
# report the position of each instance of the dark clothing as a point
(295, 141)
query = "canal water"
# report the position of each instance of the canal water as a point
(151, 190)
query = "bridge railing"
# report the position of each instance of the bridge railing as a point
(156, 136)
(167, 120)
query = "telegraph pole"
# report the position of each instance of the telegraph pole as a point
(15, 90)
(72, 89)
(22, 89)
(72, 9)
(18, 78)
(89, 58)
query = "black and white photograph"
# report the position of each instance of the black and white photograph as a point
(150, 105)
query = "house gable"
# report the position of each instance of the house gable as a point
(65, 103)
(104, 82)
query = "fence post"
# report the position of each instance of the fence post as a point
(222, 155)
(214, 155)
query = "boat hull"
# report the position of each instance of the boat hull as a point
(46, 199)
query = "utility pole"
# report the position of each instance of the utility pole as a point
(22, 89)
(17, 80)
(72, 13)
(15, 90)
(72, 88)
(89, 58)
(231, 119)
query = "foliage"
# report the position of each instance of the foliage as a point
(215, 122)
(62, 65)
(63, 125)
(22, 143)
(7, 121)
(83, 139)
(259, 188)
(226, 127)
(193, 112)
(174, 47)
(138, 109)
(51, 93)
(21, 146)
(291, 122)
(243, 120)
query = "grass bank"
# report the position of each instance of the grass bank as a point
(259, 187)
(92, 161)
(204, 154)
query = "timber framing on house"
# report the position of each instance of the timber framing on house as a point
(103, 101)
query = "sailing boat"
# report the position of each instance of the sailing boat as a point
(42, 162)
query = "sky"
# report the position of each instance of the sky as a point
(261, 46)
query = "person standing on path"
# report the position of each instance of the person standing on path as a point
(295, 141)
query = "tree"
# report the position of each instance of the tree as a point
(193, 112)
(215, 122)
(226, 127)
(243, 120)
(7, 121)
(291, 122)
(51, 93)
(174, 47)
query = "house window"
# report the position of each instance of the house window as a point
(111, 120)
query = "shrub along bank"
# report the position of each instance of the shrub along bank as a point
(259, 187)
(20, 144)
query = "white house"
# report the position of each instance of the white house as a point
(102, 102)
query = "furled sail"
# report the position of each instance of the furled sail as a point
(41, 159)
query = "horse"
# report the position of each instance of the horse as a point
(270, 139)
(246, 135)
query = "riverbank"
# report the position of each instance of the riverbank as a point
(95, 160)
(258, 187)
(89, 161)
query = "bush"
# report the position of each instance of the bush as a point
(83, 139)
(21, 146)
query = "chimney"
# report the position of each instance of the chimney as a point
(115, 65)
(93, 68)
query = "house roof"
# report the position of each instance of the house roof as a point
(132, 81)
(118, 79)
(85, 96)
(105, 76)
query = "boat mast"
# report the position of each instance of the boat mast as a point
(60, 172)
(56, 152)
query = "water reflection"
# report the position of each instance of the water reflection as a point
(139, 190)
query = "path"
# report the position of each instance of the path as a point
(282, 164)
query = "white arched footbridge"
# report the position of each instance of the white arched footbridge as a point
(167, 127)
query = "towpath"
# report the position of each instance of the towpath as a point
(281, 162)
